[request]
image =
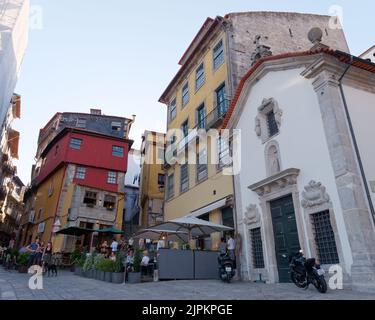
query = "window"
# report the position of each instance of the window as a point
(221, 101)
(75, 143)
(118, 151)
(272, 124)
(218, 54)
(324, 238)
(257, 248)
(199, 77)
(201, 117)
(81, 123)
(172, 110)
(223, 152)
(111, 177)
(227, 217)
(109, 202)
(161, 178)
(90, 198)
(170, 186)
(185, 128)
(80, 173)
(184, 182)
(116, 125)
(185, 94)
(161, 153)
(201, 165)
(40, 214)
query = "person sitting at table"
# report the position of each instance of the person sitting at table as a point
(144, 263)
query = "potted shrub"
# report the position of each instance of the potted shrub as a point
(22, 261)
(135, 275)
(100, 269)
(118, 273)
(98, 272)
(108, 267)
(88, 266)
(74, 257)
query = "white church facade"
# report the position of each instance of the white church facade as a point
(307, 164)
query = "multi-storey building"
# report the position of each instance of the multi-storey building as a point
(13, 41)
(10, 185)
(199, 95)
(132, 180)
(79, 178)
(151, 200)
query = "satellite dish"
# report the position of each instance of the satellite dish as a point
(315, 35)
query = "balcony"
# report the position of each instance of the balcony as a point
(215, 118)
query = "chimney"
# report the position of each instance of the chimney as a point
(97, 112)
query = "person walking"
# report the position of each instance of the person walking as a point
(32, 249)
(39, 254)
(231, 248)
(114, 246)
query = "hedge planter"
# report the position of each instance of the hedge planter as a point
(117, 277)
(134, 277)
(108, 276)
(22, 269)
(78, 271)
(100, 275)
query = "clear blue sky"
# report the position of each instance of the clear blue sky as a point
(119, 55)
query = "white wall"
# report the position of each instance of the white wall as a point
(301, 140)
(361, 105)
(134, 168)
(13, 42)
(369, 55)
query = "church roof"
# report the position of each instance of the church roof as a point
(340, 55)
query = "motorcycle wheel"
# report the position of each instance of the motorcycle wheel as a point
(296, 281)
(320, 284)
(228, 279)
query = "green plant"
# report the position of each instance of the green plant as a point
(118, 265)
(23, 259)
(75, 256)
(98, 260)
(89, 263)
(137, 260)
(107, 265)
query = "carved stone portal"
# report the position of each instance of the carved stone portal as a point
(314, 195)
(252, 214)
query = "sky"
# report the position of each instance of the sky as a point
(119, 55)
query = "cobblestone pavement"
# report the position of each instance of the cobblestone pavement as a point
(68, 286)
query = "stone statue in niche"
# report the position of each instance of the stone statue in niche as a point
(252, 214)
(314, 195)
(273, 160)
(260, 50)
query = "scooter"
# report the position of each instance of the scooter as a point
(226, 268)
(304, 272)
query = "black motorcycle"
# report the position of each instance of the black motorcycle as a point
(226, 268)
(304, 272)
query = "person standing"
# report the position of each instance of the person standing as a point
(223, 247)
(231, 248)
(104, 248)
(114, 246)
(47, 257)
(144, 263)
(32, 248)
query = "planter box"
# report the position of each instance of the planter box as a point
(108, 276)
(117, 277)
(78, 271)
(72, 269)
(22, 269)
(100, 275)
(134, 277)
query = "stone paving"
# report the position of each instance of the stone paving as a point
(67, 286)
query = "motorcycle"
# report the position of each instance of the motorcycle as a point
(304, 272)
(226, 268)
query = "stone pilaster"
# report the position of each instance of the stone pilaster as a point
(357, 216)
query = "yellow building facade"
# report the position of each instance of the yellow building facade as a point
(152, 179)
(206, 193)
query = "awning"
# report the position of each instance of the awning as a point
(160, 234)
(200, 212)
(110, 231)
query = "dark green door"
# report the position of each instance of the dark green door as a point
(285, 232)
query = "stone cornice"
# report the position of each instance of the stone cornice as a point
(277, 181)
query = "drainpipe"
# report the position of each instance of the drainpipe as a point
(347, 114)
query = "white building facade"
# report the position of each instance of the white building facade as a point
(307, 165)
(14, 16)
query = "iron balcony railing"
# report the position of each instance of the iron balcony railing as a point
(215, 117)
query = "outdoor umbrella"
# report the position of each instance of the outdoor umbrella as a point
(158, 234)
(194, 227)
(75, 231)
(110, 231)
